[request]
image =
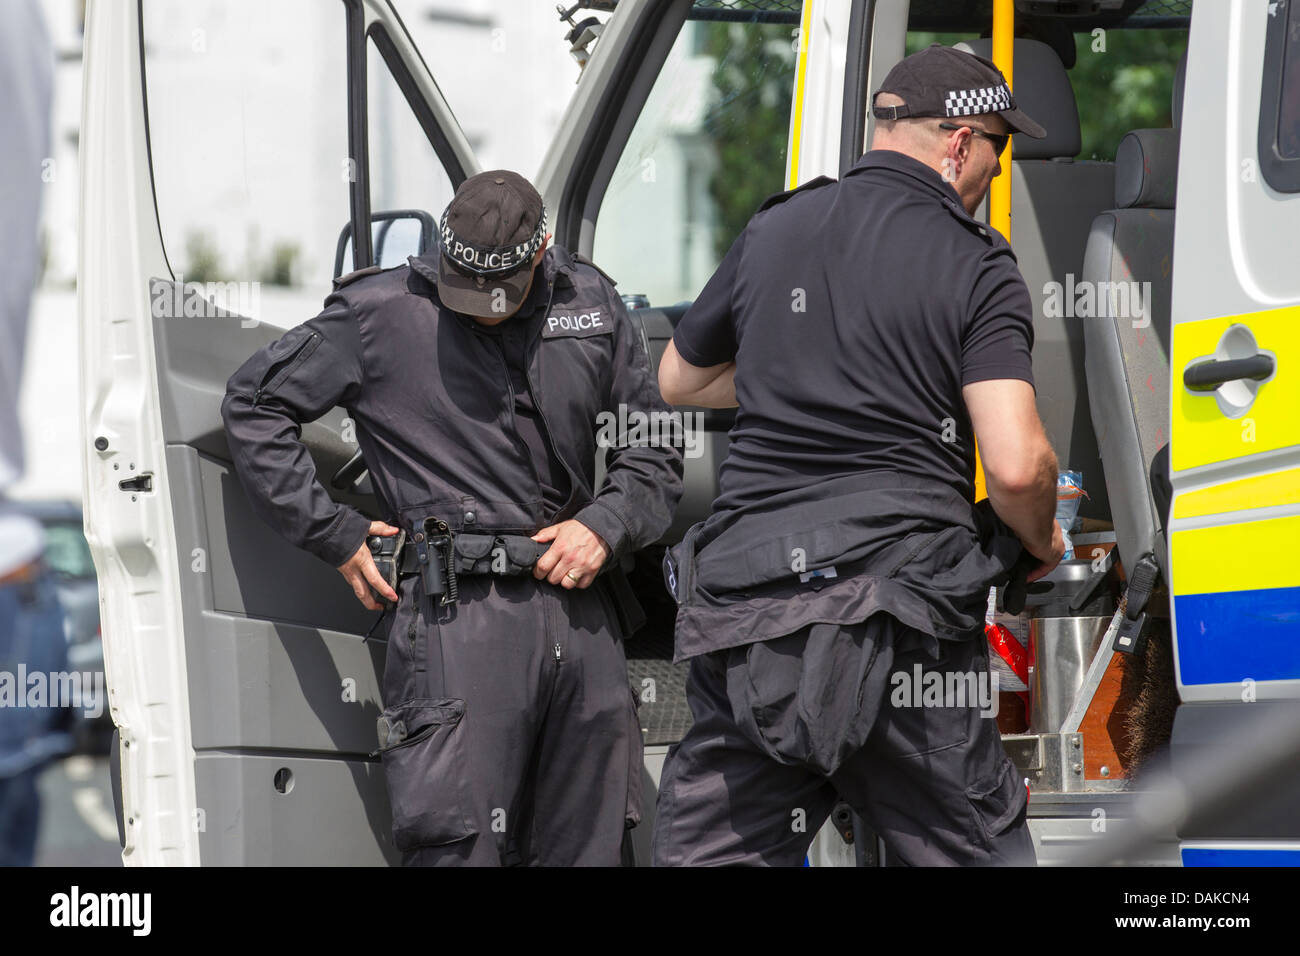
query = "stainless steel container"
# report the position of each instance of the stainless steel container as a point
(1061, 648)
(1062, 640)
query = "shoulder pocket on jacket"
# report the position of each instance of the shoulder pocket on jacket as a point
(291, 350)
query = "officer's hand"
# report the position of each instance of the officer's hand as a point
(360, 571)
(574, 548)
(1049, 559)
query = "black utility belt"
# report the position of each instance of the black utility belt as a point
(440, 557)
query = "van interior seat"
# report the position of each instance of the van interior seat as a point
(1127, 359)
(1054, 199)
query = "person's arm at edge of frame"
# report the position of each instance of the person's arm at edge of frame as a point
(685, 384)
(1020, 467)
(698, 367)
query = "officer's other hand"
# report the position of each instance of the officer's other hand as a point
(574, 548)
(360, 571)
(1051, 558)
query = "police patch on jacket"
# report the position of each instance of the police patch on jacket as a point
(578, 322)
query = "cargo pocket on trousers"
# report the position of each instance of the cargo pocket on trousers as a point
(925, 717)
(997, 803)
(424, 770)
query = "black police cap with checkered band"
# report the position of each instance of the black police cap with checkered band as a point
(489, 234)
(942, 81)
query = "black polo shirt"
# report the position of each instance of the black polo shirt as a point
(855, 312)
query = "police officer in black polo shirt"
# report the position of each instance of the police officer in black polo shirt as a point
(832, 605)
(477, 375)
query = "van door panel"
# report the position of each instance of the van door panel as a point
(1235, 458)
(249, 822)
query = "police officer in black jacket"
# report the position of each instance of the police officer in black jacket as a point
(832, 606)
(476, 376)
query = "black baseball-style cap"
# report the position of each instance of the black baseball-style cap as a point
(943, 81)
(490, 232)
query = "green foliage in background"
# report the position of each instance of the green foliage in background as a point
(918, 40)
(203, 261)
(1128, 86)
(202, 258)
(281, 265)
(749, 122)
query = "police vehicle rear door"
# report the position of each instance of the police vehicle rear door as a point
(244, 695)
(1235, 452)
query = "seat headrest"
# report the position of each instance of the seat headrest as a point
(1042, 89)
(1146, 169)
(1180, 80)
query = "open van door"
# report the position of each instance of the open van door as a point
(243, 691)
(1234, 522)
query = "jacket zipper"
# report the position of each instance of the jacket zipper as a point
(295, 358)
(514, 418)
(574, 484)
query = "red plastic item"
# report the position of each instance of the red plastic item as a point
(1011, 651)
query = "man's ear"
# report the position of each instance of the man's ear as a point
(958, 151)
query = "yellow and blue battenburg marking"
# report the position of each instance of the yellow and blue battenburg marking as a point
(1236, 572)
(1237, 601)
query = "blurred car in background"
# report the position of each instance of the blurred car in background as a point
(67, 556)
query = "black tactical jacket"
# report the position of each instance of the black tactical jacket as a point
(430, 394)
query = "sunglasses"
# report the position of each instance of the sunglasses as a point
(999, 140)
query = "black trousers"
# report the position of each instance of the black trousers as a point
(523, 744)
(786, 727)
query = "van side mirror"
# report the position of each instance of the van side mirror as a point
(394, 235)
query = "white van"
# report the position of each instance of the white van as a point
(243, 691)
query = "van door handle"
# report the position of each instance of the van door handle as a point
(1207, 376)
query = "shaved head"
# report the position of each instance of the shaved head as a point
(920, 132)
(968, 165)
